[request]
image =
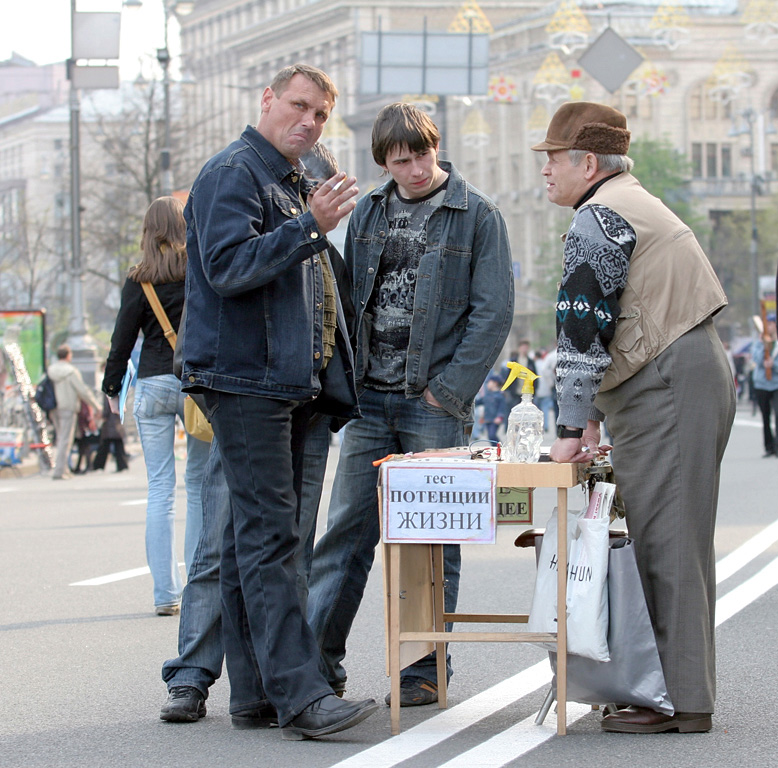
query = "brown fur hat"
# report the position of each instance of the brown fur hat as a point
(588, 126)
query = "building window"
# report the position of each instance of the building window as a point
(726, 161)
(630, 105)
(708, 108)
(711, 166)
(695, 105)
(704, 108)
(697, 160)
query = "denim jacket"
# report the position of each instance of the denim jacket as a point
(254, 285)
(463, 307)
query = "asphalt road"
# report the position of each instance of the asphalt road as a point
(81, 664)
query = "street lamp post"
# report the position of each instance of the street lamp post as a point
(177, 8)
(163, 57)
(78, 336)
(753, 122)
(92, 36)
(749, 116)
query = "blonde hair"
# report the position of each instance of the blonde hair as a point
(163, 244)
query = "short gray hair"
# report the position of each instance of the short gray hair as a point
(612, 163)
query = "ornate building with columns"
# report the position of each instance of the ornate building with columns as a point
(706, 81)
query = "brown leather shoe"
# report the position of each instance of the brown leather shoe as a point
(644, 720)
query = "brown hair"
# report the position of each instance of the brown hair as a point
(163, 244)
(315, 75)
(402, 125)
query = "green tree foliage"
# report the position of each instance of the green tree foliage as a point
(730, 254)
(545, 285)
(665, 173)
(726, 235)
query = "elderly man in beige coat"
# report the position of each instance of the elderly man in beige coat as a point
(636, 344)
(70, 390)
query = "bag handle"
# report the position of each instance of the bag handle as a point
(156, 305)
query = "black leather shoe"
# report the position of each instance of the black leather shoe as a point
(184, 704)
(644, 720)
(262, 717)
(329, 714)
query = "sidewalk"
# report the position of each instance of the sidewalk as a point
(30, 465)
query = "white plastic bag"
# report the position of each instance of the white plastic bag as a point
(587, 585)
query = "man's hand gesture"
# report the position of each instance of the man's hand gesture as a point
(331, 200)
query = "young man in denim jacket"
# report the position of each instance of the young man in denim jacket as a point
(432, 284)
(265, 335)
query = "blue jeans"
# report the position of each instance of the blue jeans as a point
(317, 448)
(270, 650)
(158, 399)
(200, 649)
(343, 557)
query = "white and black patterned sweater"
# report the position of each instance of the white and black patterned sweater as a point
(597, 252)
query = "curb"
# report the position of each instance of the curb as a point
(26, 468)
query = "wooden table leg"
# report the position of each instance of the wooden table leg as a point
(394, 634)
(438, 625)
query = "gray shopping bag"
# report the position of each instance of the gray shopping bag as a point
(634, 673)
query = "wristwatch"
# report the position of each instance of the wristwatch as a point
(563, 431)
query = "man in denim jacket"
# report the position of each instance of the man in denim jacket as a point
(264, 336)
(430, 267)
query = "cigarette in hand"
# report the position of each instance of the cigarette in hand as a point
(336, 187)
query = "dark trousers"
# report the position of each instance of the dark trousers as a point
(270, 651)
(767, 402)
(87, 446)
(118, 451)
(491, 432)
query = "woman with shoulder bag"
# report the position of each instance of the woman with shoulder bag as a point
(159, 279)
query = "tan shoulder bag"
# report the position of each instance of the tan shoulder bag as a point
(195, 422)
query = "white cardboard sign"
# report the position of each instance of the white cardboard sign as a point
(439, 502)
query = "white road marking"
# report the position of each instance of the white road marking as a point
(449, 722)
(516, 740)
(745, 553)
(739, 422)
(111, 577)
(133, 503)
(745, 594)
(519, 739)
(525, 735)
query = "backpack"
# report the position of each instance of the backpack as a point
(45, 395)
